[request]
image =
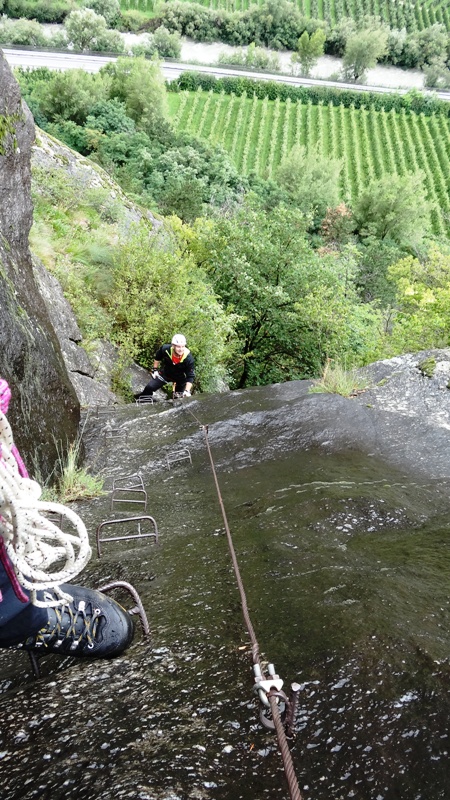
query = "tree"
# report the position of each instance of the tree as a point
(83, 26)
(309, 49)
(362, 51)
(394, 207)
(162, 43)
(426, 46)
(87, 30)
(311, 181)
(422, 318)
(109, 116)
(139, 84)
(437, 75)
(70, 95)
(158, 289)
(109, 9)
(293, 307)
(337, 226)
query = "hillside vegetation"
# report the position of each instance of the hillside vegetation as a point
(259, 134)
(411, 14)
(295, 231)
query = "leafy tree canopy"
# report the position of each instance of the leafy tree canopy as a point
(394, 207)
(109, 9)
(139, 84)
(311, 181)
(159, 288)
(422, 303)
(292, 306)
(362, 51)
(309, 49)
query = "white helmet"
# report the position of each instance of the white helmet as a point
(179, 339)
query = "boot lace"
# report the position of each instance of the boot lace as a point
(65, 627)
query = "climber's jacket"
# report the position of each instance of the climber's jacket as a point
(181, 372)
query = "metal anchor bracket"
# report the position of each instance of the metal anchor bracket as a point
(264, 712)
(263, 686)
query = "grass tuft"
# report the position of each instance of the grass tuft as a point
(338, 380)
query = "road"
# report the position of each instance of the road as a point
(171, 70)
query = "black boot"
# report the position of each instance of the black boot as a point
(91, 626)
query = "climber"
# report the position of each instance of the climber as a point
(39, 610)
(173, 363)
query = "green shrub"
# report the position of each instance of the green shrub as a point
(415, 101)
(109, 9)
(21, 32)
(39, 10)
(132, 21)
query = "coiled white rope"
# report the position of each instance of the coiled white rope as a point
(42, 555)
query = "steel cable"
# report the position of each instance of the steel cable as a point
(291, 777)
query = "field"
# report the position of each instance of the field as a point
(259, 133)
(409, 14)
(145, 6)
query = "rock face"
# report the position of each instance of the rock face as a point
(44, 410)
(91, 375)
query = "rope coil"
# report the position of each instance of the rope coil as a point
(41, 555)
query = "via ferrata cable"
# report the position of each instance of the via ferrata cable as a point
(272, 686)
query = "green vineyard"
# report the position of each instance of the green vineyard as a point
(410, 14)
(258, 134)
(145, 6)
(414, 15)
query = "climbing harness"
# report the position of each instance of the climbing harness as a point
(30, 540)
(277, 710)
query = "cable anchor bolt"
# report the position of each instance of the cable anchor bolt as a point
(263, 687)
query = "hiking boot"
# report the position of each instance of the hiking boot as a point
(91, 626)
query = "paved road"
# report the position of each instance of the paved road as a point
(171, 70)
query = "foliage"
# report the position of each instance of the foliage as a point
(39, 10)
(413, 100)
(362, 51)
(276, 23)
(372, 279)
(427, 367)
(132, 21)
(161, 43)
(68, 95)
(87, 30)
(309, 49)
(292, 306)
(73, 481)
(422, 303)
(427, 45)
(108, 9)
(370, 143)
(21, 32)
(253, 57)
(312, 183)
(139, 85)
(335, 379)
(109, 116)
(74, 234)
(158, 288)
(394, 207)
(337, 225)
(437, 75)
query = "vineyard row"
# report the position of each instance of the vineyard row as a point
(258, 134)
(410, 14)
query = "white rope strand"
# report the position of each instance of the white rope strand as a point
(42, 555)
